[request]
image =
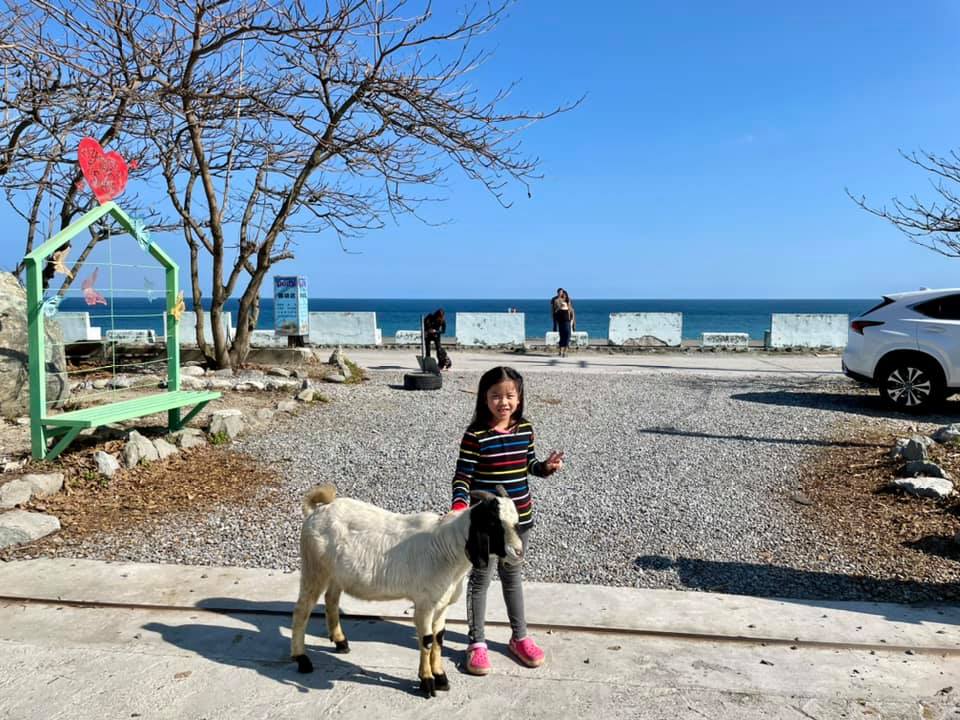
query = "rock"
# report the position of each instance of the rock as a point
(335, 378)
(164, 448)
(801, 499)
(223, 372)
(13, 493)
(14, 465)
(188, 438)
(106, 463)
(912, 448)
(15, 354)
(265, 414)
(219, 383)
(307, 395)
(138, 449)
(46, 484)
(22, 421)
(119, 382)
(281, 384)
(100, 384)
(947, 433)
(340, 360)
(931, 487)
(192, 371)
(919, 468)
(228, 422)
(279, 372)
(251, 385)
(19, 526)
(287, 406)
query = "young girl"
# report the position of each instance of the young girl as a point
(497, 449)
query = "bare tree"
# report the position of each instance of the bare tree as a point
(934, 225)
(271, 123)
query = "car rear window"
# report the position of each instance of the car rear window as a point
(941, 308)
(883, 303)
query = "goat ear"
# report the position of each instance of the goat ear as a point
(502, 492)
(478, 538)
(481, 495)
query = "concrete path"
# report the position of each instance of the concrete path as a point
(86, 639)
(720, 363)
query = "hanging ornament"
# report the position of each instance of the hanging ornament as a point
(141, 233)
(91, 296)
(51, 305)
(59, 260)
(105, 173)
(149, 290)
(178, 309)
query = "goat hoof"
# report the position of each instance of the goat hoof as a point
(441, 682)
(428, 687)
(303, 664)
(343, 646)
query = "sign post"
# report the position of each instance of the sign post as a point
(291, 317)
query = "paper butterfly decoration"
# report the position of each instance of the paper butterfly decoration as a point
(105, 173)
(91, 296)
(141, 233)
(51, 305)
(177, 310)
(59, 259)
(149, 289)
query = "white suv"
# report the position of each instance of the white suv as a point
(909, 347)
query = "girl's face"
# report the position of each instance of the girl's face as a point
(502, 401)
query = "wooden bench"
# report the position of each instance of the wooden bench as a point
(69, 424)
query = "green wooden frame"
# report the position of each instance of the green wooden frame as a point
(67, 425)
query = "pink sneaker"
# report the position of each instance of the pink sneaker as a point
(527, 651)
(478, 662)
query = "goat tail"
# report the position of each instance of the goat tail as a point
(318, 495)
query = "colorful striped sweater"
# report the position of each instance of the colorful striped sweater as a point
(489, 458)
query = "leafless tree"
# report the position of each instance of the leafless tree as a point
(932, 224)
(270, 122)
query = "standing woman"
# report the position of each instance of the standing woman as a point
(564, 320)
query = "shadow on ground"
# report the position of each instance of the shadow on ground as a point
(856, 404)
(261, 645)
(807, 586)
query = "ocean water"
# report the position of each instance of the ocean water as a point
(749, 316)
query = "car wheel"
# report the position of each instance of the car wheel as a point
(422, 381)
(911, 384)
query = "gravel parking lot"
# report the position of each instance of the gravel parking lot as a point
(672, 480)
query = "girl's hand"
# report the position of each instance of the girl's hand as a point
(554, 462)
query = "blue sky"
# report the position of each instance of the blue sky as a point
(708, 159)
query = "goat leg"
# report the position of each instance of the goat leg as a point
(424, 622)
(331, 602)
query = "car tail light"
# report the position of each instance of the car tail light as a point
(858, 325)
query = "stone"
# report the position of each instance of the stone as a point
(192, 371)
(22, 421)
(287, 406)
(307, 395)
(19, 526)
(279, 372)
(13, 493)
(801, 499)
(219, 383)
(15, 354)
(931, 487)
(919, 468)
(947, 433)
(188, 438)
(228, 422)
(252, 385)
(106, 463)
(138, 449)
(265, 414)
(100, 384)
(164, 448)
(14, 465)
(45, 484)
(340, 360)
(119, 382)
(223, 372)
(334, 378)
(281, 384)
(913, 448)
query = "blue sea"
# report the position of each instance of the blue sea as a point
(750, 316)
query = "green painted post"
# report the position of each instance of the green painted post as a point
(173, 343)
(37, 355)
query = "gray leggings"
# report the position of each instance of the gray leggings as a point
(479, 583)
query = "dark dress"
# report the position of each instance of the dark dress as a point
(562, 320)
(435, 326)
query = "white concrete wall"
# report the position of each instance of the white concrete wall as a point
(407, 337)
(267, 338)
(578, 338)
(490, 329)
(740, 341)
(134, 337)
(76, 326)
(344, 328)
(645, 329)
(808, 330)
(188, 327)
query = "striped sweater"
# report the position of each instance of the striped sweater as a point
(489, 458)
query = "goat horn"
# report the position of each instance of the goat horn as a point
(482, 495)
(502, 492)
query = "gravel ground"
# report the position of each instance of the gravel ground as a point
(672, 480)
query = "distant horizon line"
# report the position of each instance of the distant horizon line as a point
(542, 299)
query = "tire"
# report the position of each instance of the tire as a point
(911, 383)
(422, 381)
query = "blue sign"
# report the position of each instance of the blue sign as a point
(290, 312)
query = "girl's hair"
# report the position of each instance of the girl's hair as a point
(481, 415)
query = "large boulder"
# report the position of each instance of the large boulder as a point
(15, 354)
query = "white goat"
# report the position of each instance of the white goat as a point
(353, 547)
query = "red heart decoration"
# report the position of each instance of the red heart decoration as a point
(105, 173)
